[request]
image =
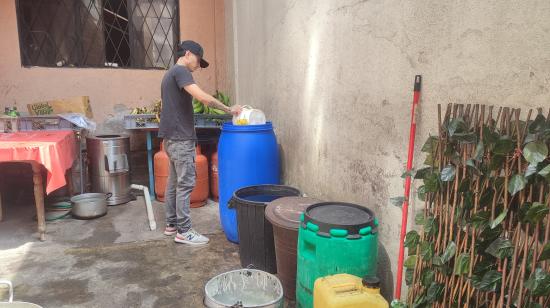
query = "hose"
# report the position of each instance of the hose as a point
(63, 206)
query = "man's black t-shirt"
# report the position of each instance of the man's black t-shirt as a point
(176, 119)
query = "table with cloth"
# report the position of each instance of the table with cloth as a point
(55, 150)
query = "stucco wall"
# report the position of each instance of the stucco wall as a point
(112, 91)
(336, 79)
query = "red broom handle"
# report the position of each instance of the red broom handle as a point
(405, 208)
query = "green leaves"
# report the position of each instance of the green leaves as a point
(535, 152)
(430, 225)
(397, 304)
(409, 273)
(427, 250)
(545, 172)
(462, 264)
(504, 145)
(480, 219)
(538, 124)
(531, 169)
(501, 248)
(448, 173)
(545, 255)
(430, 145)
(421, 173)
(487, 177)
(488, 282)
(410, 262)
(471, 165)
(449, 252)
(427, 277)
(419, 219)
(431, 182)
(421, 193)
(489, 136)
(458, 130)
(539, 283)
(397, 201)
(517, 183)
(480, 149)
(412, 239)
(536, 212)
(434, 292)
(499, 219)
(457, 126)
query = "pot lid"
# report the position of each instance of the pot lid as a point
(285, 212)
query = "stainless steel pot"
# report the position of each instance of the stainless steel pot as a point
(90, 205)
(109, 166)
(10, 303)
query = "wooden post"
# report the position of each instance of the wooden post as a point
(39, 199)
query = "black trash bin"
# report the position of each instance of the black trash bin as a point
(256, 244)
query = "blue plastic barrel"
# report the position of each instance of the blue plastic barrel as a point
(247, 155)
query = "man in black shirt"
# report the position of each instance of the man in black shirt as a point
(178, 130)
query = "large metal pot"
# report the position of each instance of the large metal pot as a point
(90, 205)
(244, 288)
(10, 303)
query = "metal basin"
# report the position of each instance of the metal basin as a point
(10, 303)
(244, 288)
(90, 205)
(19, 305)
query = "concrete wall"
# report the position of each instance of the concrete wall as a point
(112, 91)
(336, 79)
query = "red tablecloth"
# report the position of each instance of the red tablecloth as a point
(55, 150)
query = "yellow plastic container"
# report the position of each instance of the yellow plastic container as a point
(348, 291)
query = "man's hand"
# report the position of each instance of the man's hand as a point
(210, 101)
(236, 110)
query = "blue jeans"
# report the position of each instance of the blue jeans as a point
(181, 182)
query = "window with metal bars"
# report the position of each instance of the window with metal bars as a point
(98, 33)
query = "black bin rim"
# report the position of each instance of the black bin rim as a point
(325, 227)
(263, 189)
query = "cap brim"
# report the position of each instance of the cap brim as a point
(204, 64)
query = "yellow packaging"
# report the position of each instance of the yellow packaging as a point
(79, 104)
(347, 291)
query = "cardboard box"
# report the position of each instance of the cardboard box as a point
(79, 104)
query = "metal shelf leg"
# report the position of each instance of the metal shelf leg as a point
(150, 163)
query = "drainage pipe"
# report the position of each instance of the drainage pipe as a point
(150, 214)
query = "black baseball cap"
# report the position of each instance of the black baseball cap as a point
(194, 48)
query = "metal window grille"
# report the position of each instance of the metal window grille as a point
(98, 33)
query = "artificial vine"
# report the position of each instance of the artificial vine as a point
(483, 238)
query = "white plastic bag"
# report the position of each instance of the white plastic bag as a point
(79, 120)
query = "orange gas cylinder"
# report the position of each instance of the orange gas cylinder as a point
(162, 165)
(200, 192)
(214, 190)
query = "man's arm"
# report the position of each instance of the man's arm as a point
(209, 100)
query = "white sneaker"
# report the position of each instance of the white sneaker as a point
(191, 237)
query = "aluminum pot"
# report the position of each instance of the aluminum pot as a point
(10, 303)
(90, 205)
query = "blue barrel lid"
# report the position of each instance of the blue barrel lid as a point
(229, 126)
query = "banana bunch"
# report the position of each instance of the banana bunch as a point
(199, 107)
(140, 110)
(155, 109)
